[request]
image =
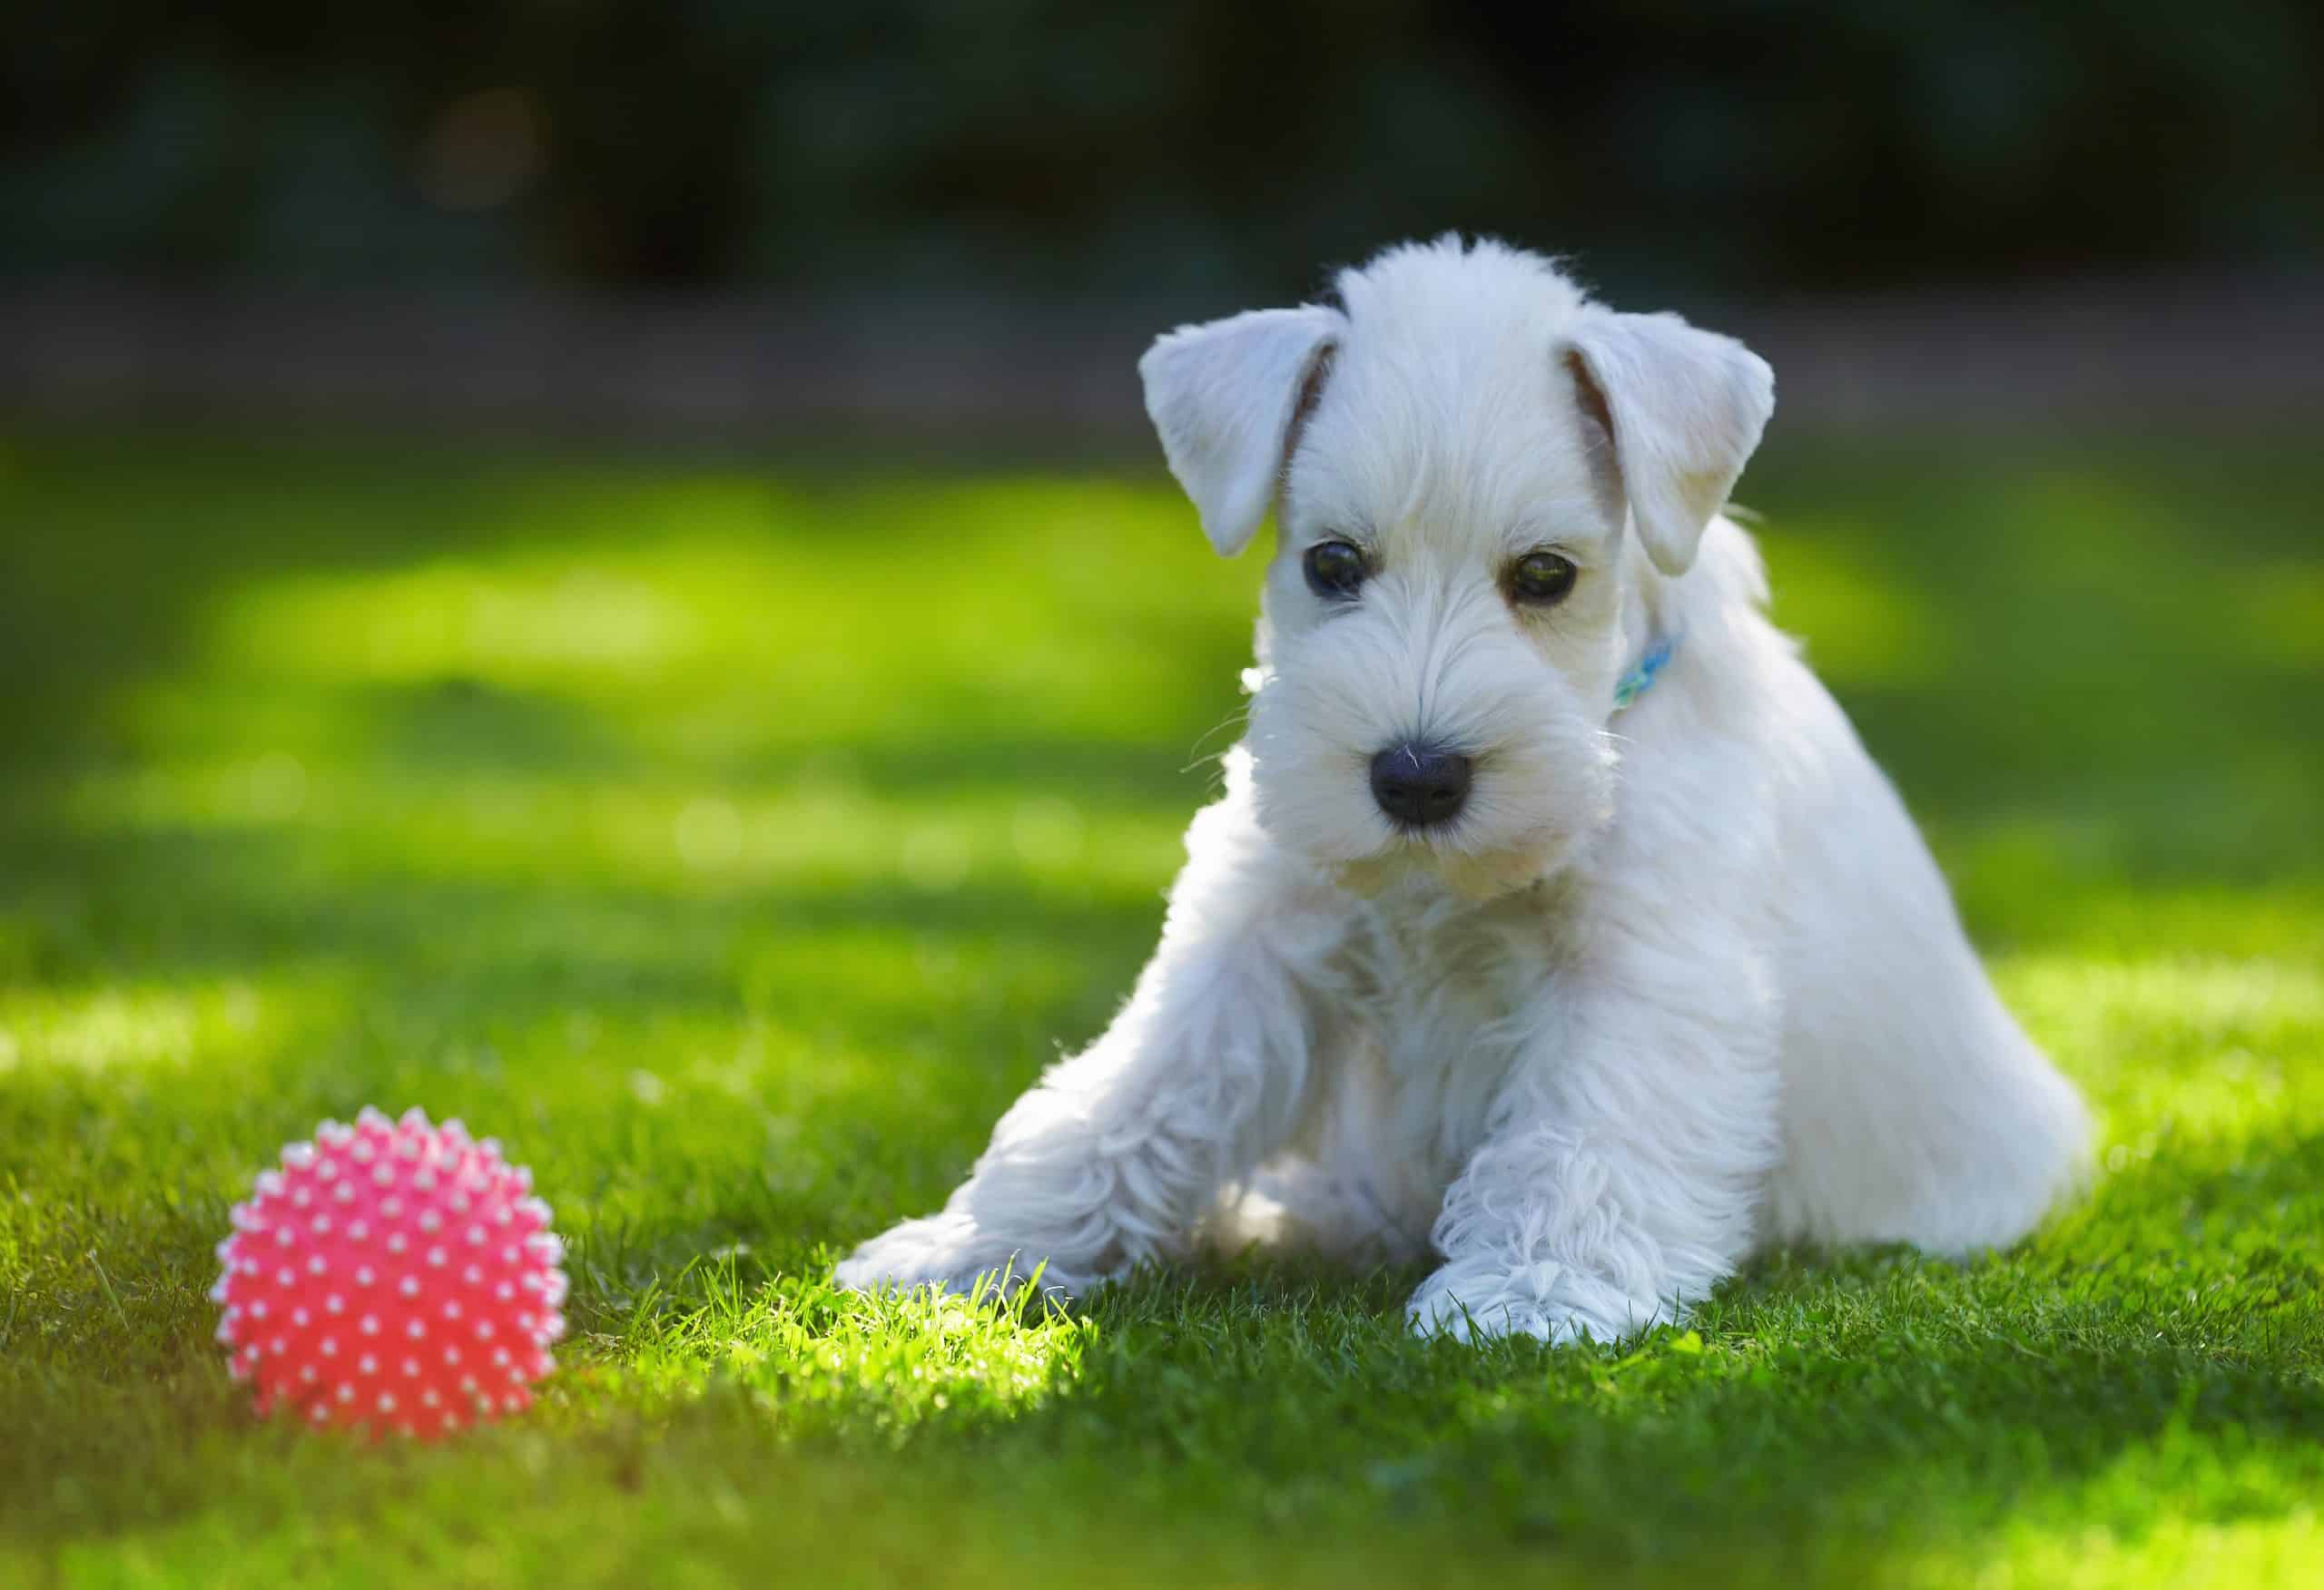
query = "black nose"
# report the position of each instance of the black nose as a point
(1419, 784)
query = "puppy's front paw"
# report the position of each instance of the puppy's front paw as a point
(1450, 1317)
(947, 1252)
(1545, 1302)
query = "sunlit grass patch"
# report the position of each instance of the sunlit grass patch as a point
(2255, 1523)
(702, 623)
(116, 1027)
(2204, 1049)
(820, 1363)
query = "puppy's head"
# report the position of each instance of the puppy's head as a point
(1479, 473)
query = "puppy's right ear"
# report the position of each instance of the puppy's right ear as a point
(1225, 399)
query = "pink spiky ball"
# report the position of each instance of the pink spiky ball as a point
(391, 1276)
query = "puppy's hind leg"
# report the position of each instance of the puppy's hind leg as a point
(1914, 1108)
(1951, 1132)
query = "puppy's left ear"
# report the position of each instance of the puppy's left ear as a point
(1225, 399)
(1685, 407)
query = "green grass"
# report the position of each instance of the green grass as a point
(735, 838)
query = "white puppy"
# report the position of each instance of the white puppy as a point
(1554, 924)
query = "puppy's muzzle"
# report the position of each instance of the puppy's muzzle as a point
(1419, 786)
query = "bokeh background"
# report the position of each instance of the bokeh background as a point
(910, 145)
(909, 212)
(598, 567)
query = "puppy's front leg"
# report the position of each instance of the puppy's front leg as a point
(1625, 1155)
(1117, 1152)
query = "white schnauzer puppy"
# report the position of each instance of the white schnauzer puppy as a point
(1554, 926)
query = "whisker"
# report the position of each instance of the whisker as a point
(1237, 717)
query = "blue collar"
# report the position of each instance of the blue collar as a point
(1645, 670)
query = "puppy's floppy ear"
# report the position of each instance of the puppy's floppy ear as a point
(1686, 408)
(1225, 399)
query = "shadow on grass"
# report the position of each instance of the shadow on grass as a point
(1871, 1398)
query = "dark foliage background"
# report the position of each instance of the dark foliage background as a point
(1059, 146)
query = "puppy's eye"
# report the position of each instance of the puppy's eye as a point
(1541, 578)
(1334, 569)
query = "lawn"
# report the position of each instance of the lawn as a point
(734, 836)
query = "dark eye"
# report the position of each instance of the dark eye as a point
(1334, 569)
(1541, 578)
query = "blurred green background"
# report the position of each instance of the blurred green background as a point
(597, 569)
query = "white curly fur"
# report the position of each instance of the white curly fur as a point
(1676, 984)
